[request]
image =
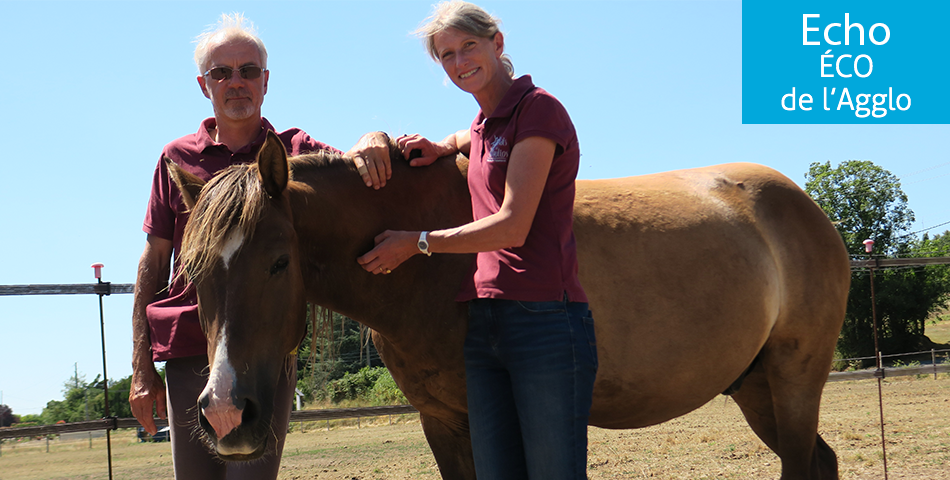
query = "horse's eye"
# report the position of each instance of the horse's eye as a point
(280, 265)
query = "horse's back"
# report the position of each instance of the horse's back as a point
(689, 273)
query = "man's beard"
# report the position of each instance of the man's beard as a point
(239, 110)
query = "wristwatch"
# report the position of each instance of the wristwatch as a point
(424, 244)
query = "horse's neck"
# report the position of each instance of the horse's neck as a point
(337, 219)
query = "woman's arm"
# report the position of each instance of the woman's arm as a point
(460, 141)
(528, 169)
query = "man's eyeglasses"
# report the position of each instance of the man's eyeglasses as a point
(247, 72)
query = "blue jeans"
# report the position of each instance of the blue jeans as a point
(530, 369)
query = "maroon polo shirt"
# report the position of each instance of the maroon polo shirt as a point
(545, 267)
(173, 315)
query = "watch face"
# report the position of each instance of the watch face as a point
(423, 245)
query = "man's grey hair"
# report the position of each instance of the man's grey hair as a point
(230, 27)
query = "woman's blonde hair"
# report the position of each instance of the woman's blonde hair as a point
(465, 17)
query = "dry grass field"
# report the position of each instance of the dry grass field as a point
(938, 327)
(711, 443)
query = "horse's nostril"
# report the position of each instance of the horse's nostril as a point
(204, 423)
(204, 401)
(250, 412)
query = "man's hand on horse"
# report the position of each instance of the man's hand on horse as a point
(371, 157)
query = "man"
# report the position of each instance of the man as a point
(232, 66)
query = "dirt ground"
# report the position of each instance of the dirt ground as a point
(713, 442)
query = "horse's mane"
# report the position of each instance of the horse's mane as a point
(233, 202)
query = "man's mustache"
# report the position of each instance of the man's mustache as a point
(240, 92)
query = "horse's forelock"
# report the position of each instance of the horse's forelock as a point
(232, 201)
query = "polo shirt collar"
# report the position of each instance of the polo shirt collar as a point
(513, 96)
(204, 140)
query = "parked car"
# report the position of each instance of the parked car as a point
(163, 435)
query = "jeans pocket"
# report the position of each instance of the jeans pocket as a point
(542, 307)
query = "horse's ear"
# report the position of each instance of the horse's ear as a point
(189, 185)
(272, 165)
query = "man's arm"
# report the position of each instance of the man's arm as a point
(148, 390)
(371, 157)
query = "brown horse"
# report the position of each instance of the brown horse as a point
(720, 279)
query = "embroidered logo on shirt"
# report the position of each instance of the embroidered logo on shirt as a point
(498, 150)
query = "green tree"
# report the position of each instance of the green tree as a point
(333, 347)
(86, 401)
(7, 417)
(865, 201)
(29, 420)
(938, 276)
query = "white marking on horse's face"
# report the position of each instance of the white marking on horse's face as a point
(231, 246)
(221, 412)
(222, 374)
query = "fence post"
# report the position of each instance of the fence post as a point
(868, 247)
(933, 360)
(101, 289)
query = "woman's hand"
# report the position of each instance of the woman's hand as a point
(430, 151)
(392, 248)
(371, 157)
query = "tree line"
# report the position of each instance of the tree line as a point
(81, 401)
(337, 364)
(865, 201)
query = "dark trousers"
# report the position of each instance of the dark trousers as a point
(185, 378)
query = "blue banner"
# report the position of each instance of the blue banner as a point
(837, 62)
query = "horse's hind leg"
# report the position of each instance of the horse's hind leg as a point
(452, 448)
(785, 417)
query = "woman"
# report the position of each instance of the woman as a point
(530, 355)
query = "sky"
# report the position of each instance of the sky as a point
(92, 91)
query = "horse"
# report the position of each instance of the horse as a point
(726, 279)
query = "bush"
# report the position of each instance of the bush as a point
(373, 385)
(839, 363)
(353, 385)
(386, 392)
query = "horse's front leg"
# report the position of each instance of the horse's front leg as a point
(451, 445)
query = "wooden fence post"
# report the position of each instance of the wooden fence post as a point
(933, 361)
